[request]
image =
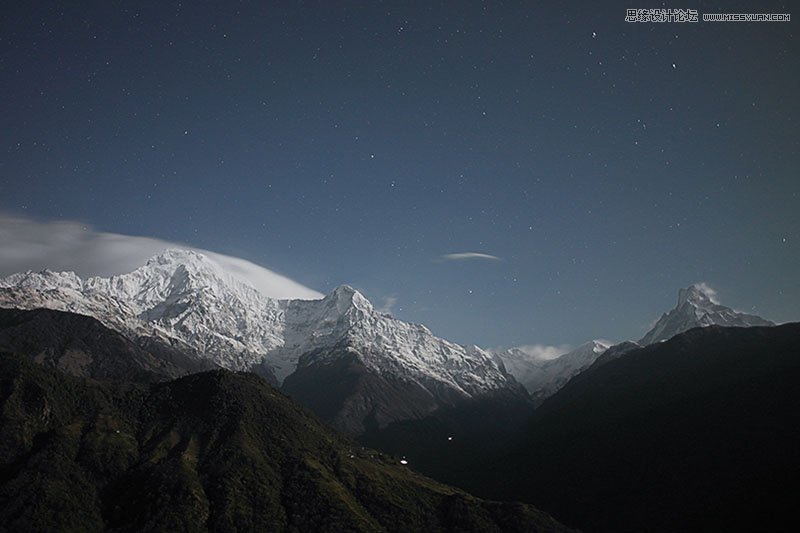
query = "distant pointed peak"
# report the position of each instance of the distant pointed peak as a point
(698, 306)
(343, 290)
(597, 346)
(349, 295)
(697, 293)
(600, 344)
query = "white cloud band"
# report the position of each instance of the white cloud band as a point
(543, 352)
(462, 256)
(27, 244)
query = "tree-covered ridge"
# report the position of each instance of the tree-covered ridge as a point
(212, 451)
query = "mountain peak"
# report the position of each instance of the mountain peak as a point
(698, 294)
(596, 345)
(344, 290)
(180, 256)
(544, 376)
(347, 296)
(190, 268)
(698, 307)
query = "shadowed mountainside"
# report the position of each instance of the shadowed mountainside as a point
(697, 433)
(211, 451)
(82, 346)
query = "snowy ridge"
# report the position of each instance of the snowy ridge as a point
(544, 377)
(344, 317)
(698, 307)
(185, 296)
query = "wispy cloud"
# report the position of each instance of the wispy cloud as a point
(388, 304)
(463, 256)
(543, 352)
(706, 289)
(27, 244)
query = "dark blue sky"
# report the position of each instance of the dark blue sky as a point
(605, 163)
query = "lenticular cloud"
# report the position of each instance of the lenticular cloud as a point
(27, 244)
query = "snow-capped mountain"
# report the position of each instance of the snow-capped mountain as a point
(544, 377)
(180, 295)
(698, 307)
(185, 297)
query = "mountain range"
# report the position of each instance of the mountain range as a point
(697, 307)
(542, 377)
(394, 370)
(123, 398)
(383, 370)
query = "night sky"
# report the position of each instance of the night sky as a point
(602, 164)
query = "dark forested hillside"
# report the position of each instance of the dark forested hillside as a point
(698, 433)
(82, 346)
(211, 451)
